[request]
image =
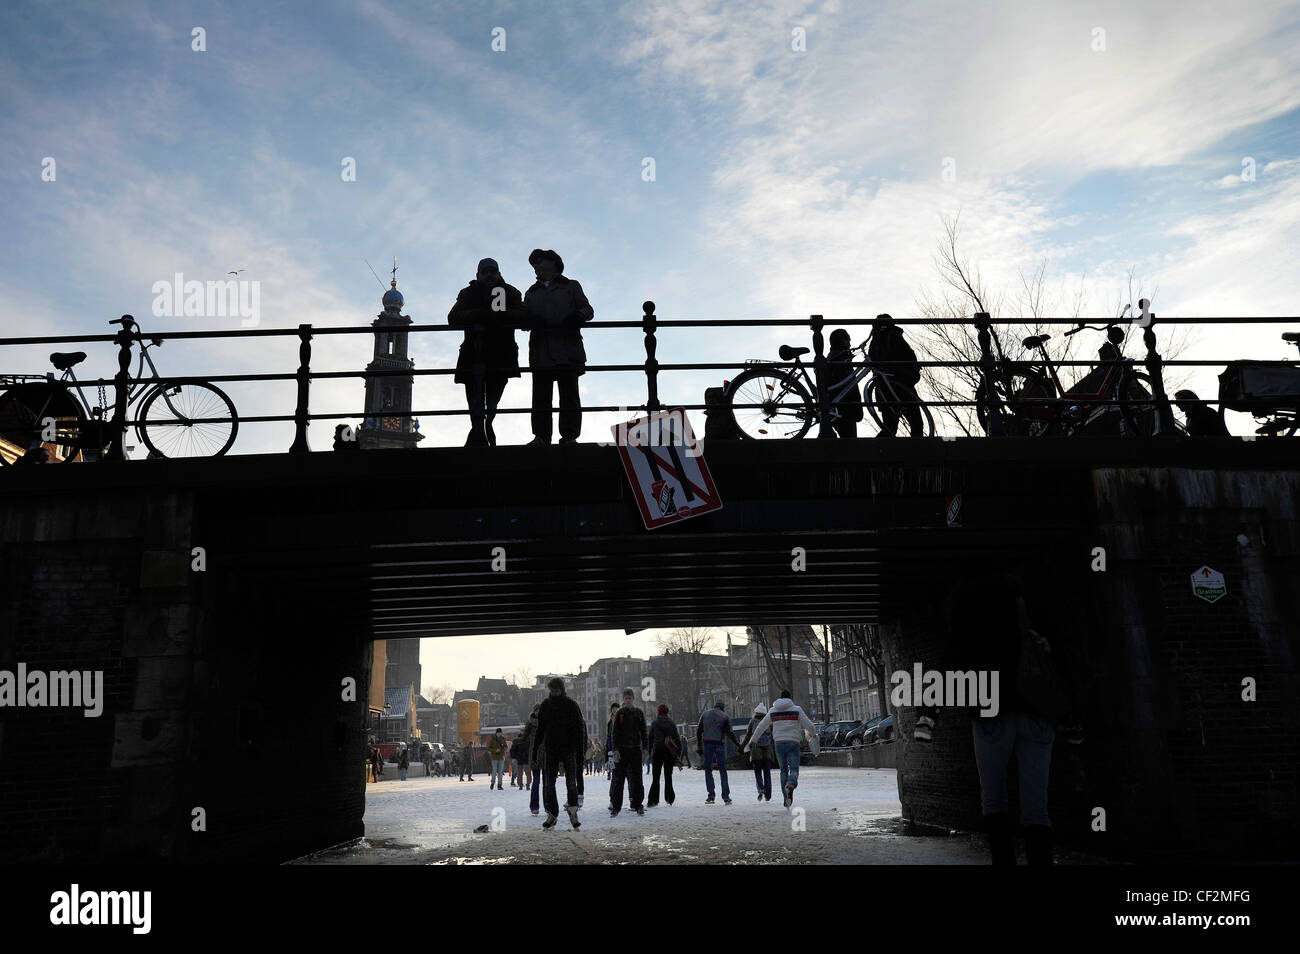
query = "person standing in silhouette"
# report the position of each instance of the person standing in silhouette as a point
(489, 310)
(557, 307)
(839, 376)
(889, 345)
(559, 744)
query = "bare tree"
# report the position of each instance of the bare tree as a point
(962, 291)
(684, 649)
(863, 641)
(439, 695)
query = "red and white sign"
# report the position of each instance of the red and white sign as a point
(665, 466)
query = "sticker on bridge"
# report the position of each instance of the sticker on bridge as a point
(665, 466)
(1209, 584)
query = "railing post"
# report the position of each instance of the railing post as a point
(824, 429)
(988, 369)
(300, 413)
(1155, 365)
(648, 323)
(121, 390)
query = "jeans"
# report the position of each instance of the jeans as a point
(569, 761)
(787, 755)
(401, 771)
(498, 766)
(660, 760)
(627, 767)
(570, 403)
(533, 789)
(483, 408)
(716, 752)
(763, 776)
(1031, 739)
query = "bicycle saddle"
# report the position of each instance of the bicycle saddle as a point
(789, 354)
(1291, 336)
(1033, 341)
(66, 359)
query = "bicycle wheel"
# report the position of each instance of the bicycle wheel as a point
(168, 416)
(1140, 420)
(786, 408)
(875, 399)
(25, 413)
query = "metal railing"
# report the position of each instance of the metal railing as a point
(992, 364)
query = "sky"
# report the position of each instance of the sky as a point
(804, 157)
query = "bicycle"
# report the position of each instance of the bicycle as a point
(1042, 407)
(767, 401)
(52, 420)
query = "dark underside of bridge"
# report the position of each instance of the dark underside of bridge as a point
(212, 668)
(405, 542)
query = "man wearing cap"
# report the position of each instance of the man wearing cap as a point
(557, 307)
(489, 310)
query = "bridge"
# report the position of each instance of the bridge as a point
(229, 601)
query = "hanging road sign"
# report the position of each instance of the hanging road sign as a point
(1208, 584)
(665, 466)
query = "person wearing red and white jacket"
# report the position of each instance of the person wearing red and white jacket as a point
(788, 723)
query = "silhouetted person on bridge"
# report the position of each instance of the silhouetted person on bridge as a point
(888, 344)
(557, 307)
(489, 310)
(840, 372)
(560, 740)
(1201, 420)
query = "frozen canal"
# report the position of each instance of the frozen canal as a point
(849, 816)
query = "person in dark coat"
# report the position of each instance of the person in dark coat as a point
(560, 740)
(557, 307)
(489, 304)
(665, 747)
(839, 374)
(467, 760)
(888, 344)
(403, 763)
(762, 756)
(1201, 421)
(628, 734)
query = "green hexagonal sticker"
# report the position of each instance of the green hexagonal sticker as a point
(1208, 584)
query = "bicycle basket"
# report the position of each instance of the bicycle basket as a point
(1258, 388)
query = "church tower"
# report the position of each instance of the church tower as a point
(390, 392)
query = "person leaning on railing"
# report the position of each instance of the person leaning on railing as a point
(557, 307)
(489, 310)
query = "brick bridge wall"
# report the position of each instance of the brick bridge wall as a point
(1182, 765)
(209, 678)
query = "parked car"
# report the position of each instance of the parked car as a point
(882, 731)
(858, 736)
(824, 732)
(836, 732)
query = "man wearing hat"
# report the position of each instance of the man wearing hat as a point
(557, 307)
(489, 310)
